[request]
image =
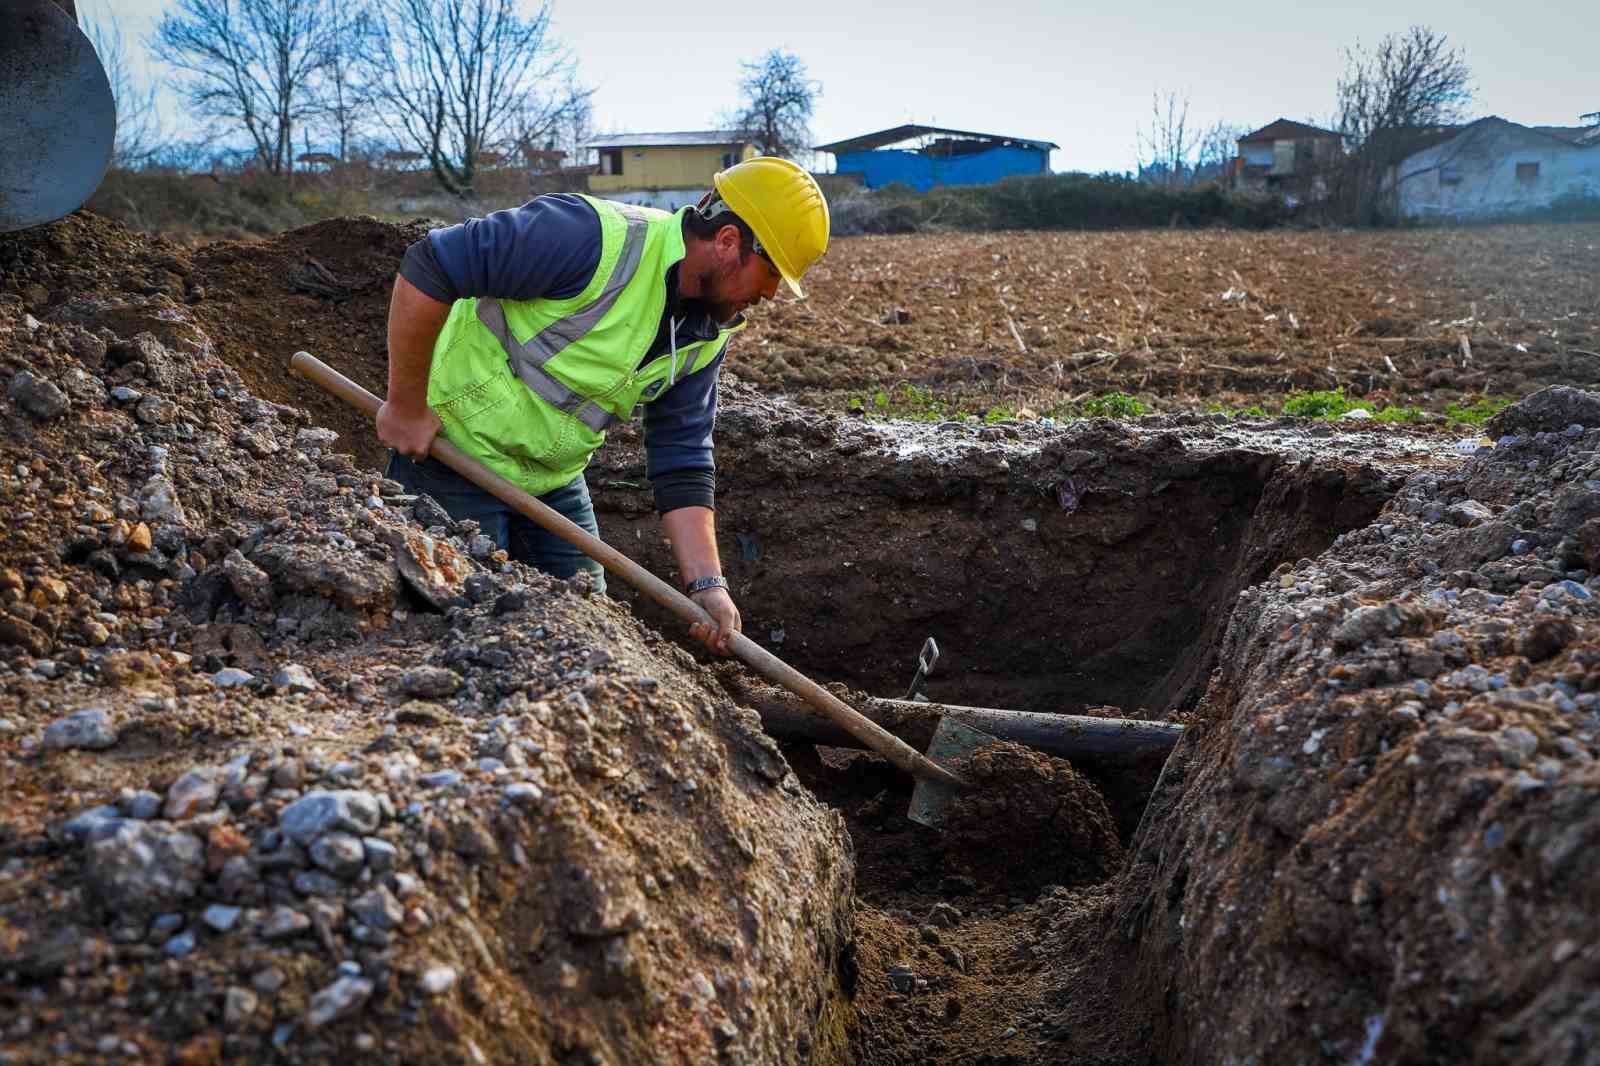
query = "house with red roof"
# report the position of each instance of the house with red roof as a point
(1285, 157)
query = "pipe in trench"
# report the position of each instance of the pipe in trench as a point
(1116, 740)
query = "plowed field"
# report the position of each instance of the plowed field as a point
(945, 324)
(1186, 318)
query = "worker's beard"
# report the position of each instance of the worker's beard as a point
(713, 293)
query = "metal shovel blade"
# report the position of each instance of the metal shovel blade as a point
(925, 660)
(57, 115)
(951, 743)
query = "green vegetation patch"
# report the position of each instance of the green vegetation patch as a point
(1322, 403)
(1332, 403)
(1113, 405)
(1399, 414)
(904, 400)
(1477, 412)
(910, 402)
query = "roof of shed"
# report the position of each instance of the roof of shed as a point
(883, 138)
(1286, 129)
(1571, 134)
(1408, 142)
(680, 139)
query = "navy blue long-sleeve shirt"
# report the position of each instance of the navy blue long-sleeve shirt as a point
(550, 247)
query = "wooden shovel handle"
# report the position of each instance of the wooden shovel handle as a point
(763, 662)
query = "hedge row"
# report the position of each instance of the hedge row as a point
(1049, 201)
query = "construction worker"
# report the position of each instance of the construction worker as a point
(522, 336)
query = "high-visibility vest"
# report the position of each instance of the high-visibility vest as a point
(529, 387)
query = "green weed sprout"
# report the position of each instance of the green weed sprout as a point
(1113, 405)
(1477, 412)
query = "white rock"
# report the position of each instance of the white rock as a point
(89, 728)
(438, 980)
(339, 1000)
(294, 678)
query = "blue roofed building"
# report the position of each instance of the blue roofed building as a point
(925, 156)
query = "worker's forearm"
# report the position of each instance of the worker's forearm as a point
(415, 320)
(693, 532)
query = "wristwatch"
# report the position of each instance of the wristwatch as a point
(700, 584)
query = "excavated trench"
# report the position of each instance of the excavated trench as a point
(1105, 581)
(1089, 571)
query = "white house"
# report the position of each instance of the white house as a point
(1494, 167)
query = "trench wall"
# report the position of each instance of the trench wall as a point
(1088, 568)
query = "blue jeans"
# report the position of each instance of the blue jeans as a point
(519, 536)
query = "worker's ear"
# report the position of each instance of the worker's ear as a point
(729, 242)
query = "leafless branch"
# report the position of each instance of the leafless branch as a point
(1410, 85)
(139, 134)
(460, 77)
(251, 62)
(1167, 146)
(776, 102)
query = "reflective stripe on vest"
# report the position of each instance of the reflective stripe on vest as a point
(528, 359)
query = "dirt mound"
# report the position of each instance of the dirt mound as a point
(263, 800)
(1385, 821)
(323, 288)
(1029, 820)
(84, 255)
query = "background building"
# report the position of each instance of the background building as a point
(1285, 157)
(666, 170)
(1494, 167)
(925, 156)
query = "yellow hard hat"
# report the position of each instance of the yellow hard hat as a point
(784, 207)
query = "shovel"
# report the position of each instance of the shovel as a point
(951, 744)
(869, 733)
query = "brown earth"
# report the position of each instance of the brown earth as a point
(528, 830)
(1191, 318)
(1372, 843)
(1025, 321)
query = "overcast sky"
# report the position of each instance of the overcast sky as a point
(1078, 74)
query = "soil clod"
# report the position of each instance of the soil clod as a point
(1029, 820)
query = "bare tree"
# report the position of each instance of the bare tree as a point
(1410, 85)
(341, 95)
(460, 77)
(1217, 147)
(1167, 146)
(139, 134)
(574, 134)
(570, 132)
(250, 62)
(776, 102)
